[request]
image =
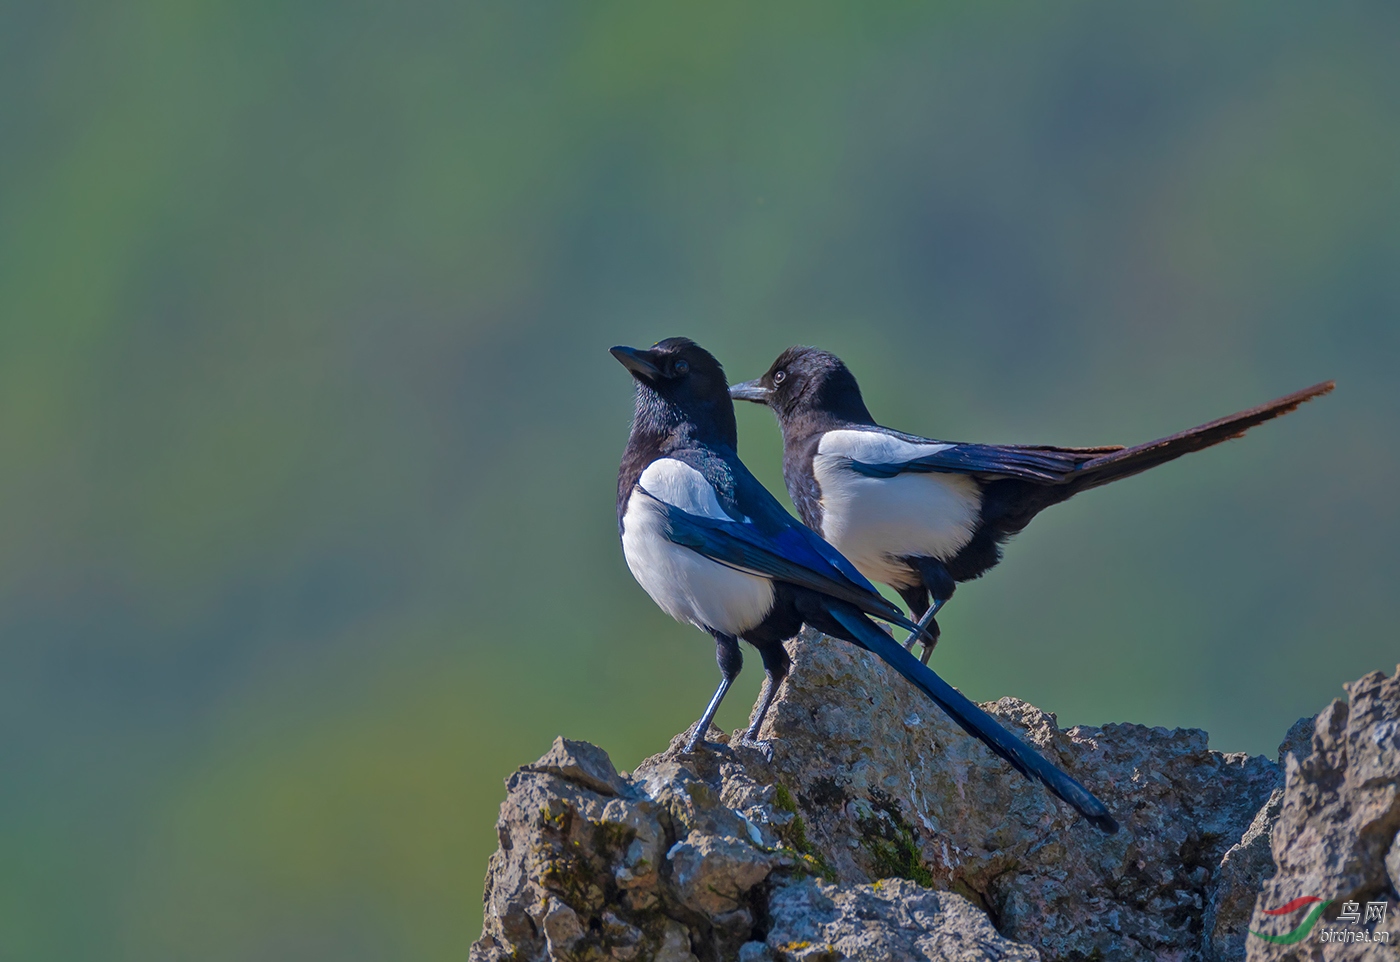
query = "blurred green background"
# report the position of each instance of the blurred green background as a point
(308, 431)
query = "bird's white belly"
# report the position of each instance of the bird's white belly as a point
(876, 521)
(685, 584)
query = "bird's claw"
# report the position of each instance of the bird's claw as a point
(697, 739)
(751, 740)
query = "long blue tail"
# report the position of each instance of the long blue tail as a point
(969, 717)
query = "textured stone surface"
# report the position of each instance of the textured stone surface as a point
(1392, 865)
(897, 919)
(868, 826)
(595, 866)
(1248, 864)
(886, 786)
(581, 763)
(1298, 741)
(1336, 834)
(1243, 869)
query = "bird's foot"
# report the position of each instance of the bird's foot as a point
(927, 635)
(697, 739)
(750, 739)
(926, 628)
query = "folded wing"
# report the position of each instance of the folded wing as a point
(792, 554)
(990, 461)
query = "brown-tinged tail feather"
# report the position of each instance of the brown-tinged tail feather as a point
(1141, 457)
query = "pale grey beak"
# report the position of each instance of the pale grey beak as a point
(751, 391)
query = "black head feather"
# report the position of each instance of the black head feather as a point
(681, 392)
(808, 390)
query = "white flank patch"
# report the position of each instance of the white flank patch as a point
(684, 583)
(876, 521)
(680, 485)
(876, 447)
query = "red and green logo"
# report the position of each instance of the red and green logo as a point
(1300, 932)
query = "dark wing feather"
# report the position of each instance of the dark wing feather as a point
(759, 505)
(1042, 464)
(743, 497)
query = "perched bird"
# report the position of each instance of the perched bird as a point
(713, 547)
(921, 515)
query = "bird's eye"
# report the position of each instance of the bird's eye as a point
(682, 368)
(780, 377)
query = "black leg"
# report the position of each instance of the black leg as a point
(928, 633)
(731, 661)
(939, 585)
(776, 663)
(917, 600)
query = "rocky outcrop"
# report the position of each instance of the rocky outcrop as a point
(1243, 869)
(893, 919)
(867, 826)
(1335, 839)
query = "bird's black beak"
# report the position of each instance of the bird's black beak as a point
(751, 391)
(637, 362)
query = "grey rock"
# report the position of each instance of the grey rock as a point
(562, 928)
(1243, 869)
(713, 874)
(595, 866)
(866, 825)
(1298, 741)
(1335, 838)
(887, 786)
(581, 763)
(674, 943)
(900, 920)
(1392, 865)
(755, 952)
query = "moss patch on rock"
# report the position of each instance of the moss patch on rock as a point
(893, 848)
(794, 836)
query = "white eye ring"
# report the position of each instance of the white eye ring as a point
(780, 377)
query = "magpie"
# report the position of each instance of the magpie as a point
(714, 548)
(922, 515)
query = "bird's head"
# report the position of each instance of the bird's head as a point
(681, 387)
(805, 384)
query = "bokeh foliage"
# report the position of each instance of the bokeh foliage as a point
(308, 433)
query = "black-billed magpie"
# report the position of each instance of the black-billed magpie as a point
(921, 515)
(713, 547)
